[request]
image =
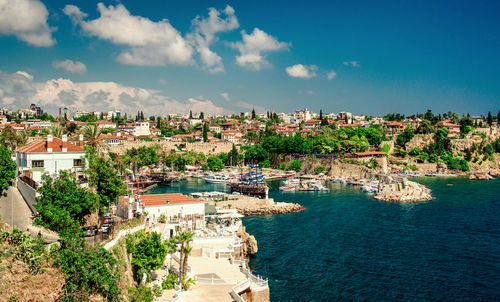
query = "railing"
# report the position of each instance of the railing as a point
(238, 288)
(121, 234)
(30, 182)
(260, 281)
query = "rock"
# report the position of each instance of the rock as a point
(249, 242)
(406, 191)
(481, 175)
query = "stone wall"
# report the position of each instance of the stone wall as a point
(260, 295)
(169, 147)
(336, 167)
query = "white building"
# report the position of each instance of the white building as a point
(141, 129)
(49, 157)
(181, 209)
(105, 124)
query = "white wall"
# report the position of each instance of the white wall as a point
(53, 162)
(192, 208)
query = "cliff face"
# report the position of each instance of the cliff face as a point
(249, 242)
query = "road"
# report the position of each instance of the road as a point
(14, 211)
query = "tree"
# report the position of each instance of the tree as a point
(190, 114)
(88, 269)
(404, 137)
(498, 118)
(91, 134)
(490, 119)
(148, 252)
(253, 113)
(202, 115)
(7, 170)
(56, 131)
(215, 163)
(184, 238)
(321, 114)
(205, 132)
(63, 203)
(233, 156)
(9, 137)
(425, 127)
(105, 179)
(295, 165)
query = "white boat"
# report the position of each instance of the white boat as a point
(218, 179)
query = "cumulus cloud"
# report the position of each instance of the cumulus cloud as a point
(70, 66)
(27, 20)
(302, 71)
(240, 104)
(20, 90)
(75, 14)
(253, 47)
(204, 34)
(352, 63)
(331, 74)
(150, 43)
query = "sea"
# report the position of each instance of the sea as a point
(347, 246)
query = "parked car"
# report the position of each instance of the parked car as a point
(108, 220)
(89, 231)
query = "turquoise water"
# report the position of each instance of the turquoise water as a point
(349, 247)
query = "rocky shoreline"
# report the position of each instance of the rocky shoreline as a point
(484, 175)
(406, 191)
(278, 208)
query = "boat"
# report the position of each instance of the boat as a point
(251, 183)
(313, 185)
(218, 179)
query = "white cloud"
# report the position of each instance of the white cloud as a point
(150, 43)
(27, 20)
(203, 35)
(74, 13)
(331, 74)
(352, 63)
(92, 96)
(302, 71)
(311, 92)
(163, 81)
(253, 47)
(24, 74)
(225, 96)
(70, 66)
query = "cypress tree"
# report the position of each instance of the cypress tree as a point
(205, 133)
(321, 114)
(190, 114)
(253, 113)
(490, 119)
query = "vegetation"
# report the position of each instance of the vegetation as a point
(148, 253)
(63, 203)
(22, 247)
(295, 165)
(91, 134)
(7, 170)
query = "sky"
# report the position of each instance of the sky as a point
(160, 57)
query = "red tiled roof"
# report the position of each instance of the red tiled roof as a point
(41, 147)
(165, 199)
(103, 122)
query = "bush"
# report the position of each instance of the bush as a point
(295, 165)
(283, 166)
(169, 282)
(385, 148)
(265, 164)
(320, 169)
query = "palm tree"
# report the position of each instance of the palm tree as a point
(56, 131)
(184, 238)
(91, 134)
(187, 251)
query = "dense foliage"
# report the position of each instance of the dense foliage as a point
(88, 269)
(105, 179)
(63, 203)
(148, 252)
(7, 170)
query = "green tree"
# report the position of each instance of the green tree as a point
(404, 137)
(202, 115)
(184, 238)
(253, 113)
(105, 179)
(205, 132)
(7, 170)
(63, 203)
(215, 163)
(233, 156)
(9, 137)
(91, 133)
(425, 127)
(148, 252)
(88, 269)
(490, 119)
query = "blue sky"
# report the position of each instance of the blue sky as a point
(168, 56)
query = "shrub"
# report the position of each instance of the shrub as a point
(295, 165)
(283, 166)
(320, 169)
(385, 148)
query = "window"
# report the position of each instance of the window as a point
(37, 163)
(77, 163)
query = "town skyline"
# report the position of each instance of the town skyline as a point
(231, 57)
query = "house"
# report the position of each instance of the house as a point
(214, 128)
(182, 137)
(105, 124)
(112, 140)
(155, 131)
(3, 119)
(453, 128)
(50, 156)
(312, 124)
(141, 129)
(174, 207)
(233, 136)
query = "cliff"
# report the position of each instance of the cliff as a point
(404, 191)
(249, 242)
